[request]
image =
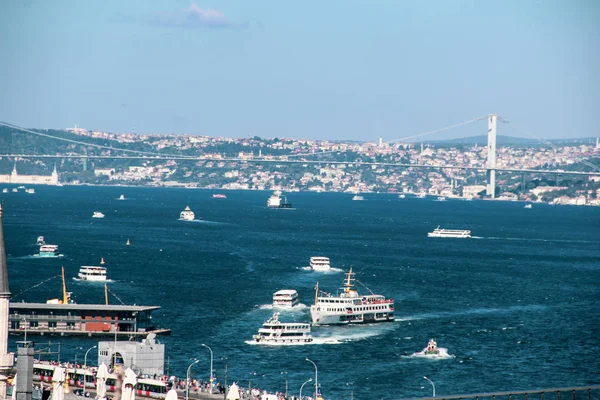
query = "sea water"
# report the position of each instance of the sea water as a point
(516, 306)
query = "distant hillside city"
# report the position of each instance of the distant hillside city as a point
(326, 166)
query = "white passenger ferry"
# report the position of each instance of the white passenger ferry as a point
(49, 250)
(92, 273)
(319, 263)
(449, 233)
(276, 332)
(349, 307)
(97, 214)
(187, 214)
(285, 298)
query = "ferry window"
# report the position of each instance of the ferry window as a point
(33, 324)
(51, 324)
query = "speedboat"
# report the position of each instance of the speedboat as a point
(319, 263)
(30, 190)
(49, 250)
(187, 214)
(92, 273)
(219, 196)
(40, 241)
(527, 206)
(450, 233)
(401, 196)
(97, 214)
(285, 298)
(276, 332)
(121, 197)
(431, 348)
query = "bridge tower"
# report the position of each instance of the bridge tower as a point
(491, 158)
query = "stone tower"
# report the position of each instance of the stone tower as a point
(6, 359)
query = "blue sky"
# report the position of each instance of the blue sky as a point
(312, 69)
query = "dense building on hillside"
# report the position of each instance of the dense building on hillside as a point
(14, 177)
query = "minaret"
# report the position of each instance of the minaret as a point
(54, 175)
(6, 359)
(13, 174)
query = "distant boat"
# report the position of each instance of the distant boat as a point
(97, 214)
(527, 206)
(102, 261)
(49, 250)
(357, 198)
(121, 197)
(285, 298)
(30, 191)
(276, 332)
(320, 263)
(276, 201)
(20, 187)
(450, 233)
(92, 273)
(128, 242)
(441, 198)
(187, 214)
(420, 195)
(40, 241)
(15, 190)
(5, 190)
(219, 196)
(401, 196)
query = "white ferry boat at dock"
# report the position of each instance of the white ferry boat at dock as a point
(187, 214)
(285, 298)
(92, 273)
(97, 214)
(450, 233)
(278, 201)
(320, 264)
(276, 332)
(350, 307)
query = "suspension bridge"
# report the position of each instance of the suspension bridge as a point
(490, 168)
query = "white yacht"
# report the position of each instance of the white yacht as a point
(30, 191)
(97, 214)
(5, 190)
(276, 332)
(121, 197)
(92, 273)
(420, 195)
(40, 241)
(320, 263)
(357, 197)
(285, 298)
(187, 214)
(449, 233)
(441, 198)
(350, 307)
(401, 196)
(528, 205)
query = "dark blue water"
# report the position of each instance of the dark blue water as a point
(517, 306)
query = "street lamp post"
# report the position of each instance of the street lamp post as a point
(432, 384)
(211, 368)
(310, 380)
(286, 384)
(225, 387)
(25, 326)
(316, 377)
(85, 366)
(187, 381)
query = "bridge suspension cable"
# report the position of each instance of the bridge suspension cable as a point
(438, 130)
(147, 153)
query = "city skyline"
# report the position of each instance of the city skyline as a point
(316, 71)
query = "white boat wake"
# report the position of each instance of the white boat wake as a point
(297, 307)
(331, 270)
(441, 355)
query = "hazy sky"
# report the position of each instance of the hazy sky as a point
(306, 69)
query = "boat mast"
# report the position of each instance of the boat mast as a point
(106, 293)
(348, 284)
(64, 287)
(316, 293)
